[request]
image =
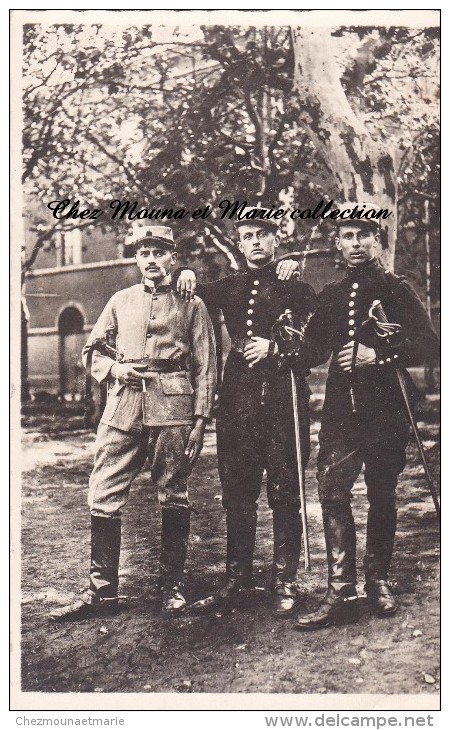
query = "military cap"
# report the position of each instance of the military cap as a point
(255, 218)
(151, 234)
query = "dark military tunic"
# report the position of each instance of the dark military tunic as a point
(377, 433)
(255, 427)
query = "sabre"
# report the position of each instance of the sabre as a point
(384, 329)
(89, 408)
(352, 374)
(298, 448)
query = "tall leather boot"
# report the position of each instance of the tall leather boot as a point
(175, 528)
(241, 535)
(101, 598)
(339, 604)
(381, 527)
(287, 535)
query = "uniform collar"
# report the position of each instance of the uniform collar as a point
(265, 272)
(363, 270)
(161, 289)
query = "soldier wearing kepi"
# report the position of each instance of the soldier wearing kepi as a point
(255, 426)
(161, 395)
(364, 419)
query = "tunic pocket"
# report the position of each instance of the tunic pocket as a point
(178, 397)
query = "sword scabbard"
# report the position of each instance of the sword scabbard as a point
(301, 476)
(378, 314)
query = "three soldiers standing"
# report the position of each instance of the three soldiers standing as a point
(363, 420)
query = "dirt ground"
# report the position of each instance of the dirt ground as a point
(245, 651)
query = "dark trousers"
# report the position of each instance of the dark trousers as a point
(342, 454)
(344, 448)
(255, 432)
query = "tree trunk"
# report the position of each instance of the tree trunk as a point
(361, 168)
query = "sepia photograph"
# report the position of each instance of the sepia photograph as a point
(225, 262)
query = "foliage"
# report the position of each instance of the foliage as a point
(188, 117)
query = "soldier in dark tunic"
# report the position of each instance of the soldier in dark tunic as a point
(255, 426)
(364, 420)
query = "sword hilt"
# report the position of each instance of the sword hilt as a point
(103, 348)
(283, 330)
(383, 328)
(377, 312)
(285, 326)
(286, 319)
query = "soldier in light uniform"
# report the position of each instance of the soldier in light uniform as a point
(364, 420)
(255, 423)
(160, 398)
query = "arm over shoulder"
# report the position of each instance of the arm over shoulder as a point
(213, 293)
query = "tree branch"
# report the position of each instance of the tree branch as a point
(46, 236)
(226, 247)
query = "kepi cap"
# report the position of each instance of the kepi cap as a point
(149, 234)
(255, 218)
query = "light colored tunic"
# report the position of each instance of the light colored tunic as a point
(157, 325)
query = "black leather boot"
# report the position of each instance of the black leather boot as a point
(340, 602)
(226, 597)
(287, 535)
(101, 598)
(241, 535)
(381, 527)
(175, 528)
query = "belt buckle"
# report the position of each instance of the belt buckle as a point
(140, 362)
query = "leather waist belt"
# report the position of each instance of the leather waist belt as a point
(159, 365)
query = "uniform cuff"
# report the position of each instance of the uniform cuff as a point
(101, 367)
(387, 358)
(290, 356)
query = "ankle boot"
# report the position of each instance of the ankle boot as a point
(241, 535)
(287, 534)
(381, 527)
(101, 598)
(339, 604)
(175, 528)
